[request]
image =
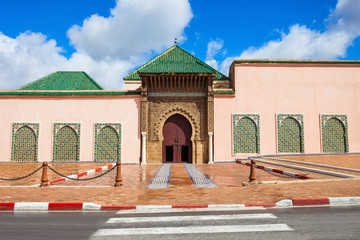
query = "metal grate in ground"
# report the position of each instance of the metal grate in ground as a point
(199, 179)
(162, 178)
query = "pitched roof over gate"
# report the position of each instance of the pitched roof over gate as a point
(175, 60)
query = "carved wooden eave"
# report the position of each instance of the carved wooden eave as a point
(188, 94)
(176, 82)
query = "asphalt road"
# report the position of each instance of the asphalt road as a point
(275, 223)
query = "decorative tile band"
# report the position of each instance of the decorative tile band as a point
(162, 177)
(246, 133)
(66, 145)
(199, 179)
(24, 147)
(107, 142)
(290, 133)
(334, 135)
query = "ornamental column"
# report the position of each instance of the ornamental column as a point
(211, 161)
(143, 156)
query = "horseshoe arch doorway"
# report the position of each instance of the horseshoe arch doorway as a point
(177, 146)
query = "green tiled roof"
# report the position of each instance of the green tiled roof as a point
(64, 81)
(175, 60)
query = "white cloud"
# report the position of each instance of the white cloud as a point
(106, 47)
(134, 27)
(302, 42)
(27, 57)
(214, 47)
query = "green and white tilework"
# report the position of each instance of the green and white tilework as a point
(290, 133)
(334, 133)
(107, 142)
(246, 133)
(66, 146)
(24, 147)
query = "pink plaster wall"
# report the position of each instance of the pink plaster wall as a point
(270, 89)
(84, 110)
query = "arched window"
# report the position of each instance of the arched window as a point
(290, 134)
(334, 135)
(107, 142)
(246, 133)
(24, 142)
(66, 143)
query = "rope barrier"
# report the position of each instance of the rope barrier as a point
(19, 178)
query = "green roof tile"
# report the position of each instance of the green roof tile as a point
(64, 81)
(175, 60)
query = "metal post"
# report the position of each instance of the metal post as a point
(44, 177)
(252, 177)
(118, 178)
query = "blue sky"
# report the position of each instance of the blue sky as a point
(109, 38)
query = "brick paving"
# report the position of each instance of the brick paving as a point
(227, 176)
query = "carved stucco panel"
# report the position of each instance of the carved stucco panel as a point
(160, 110)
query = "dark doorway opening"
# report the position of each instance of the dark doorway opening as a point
(169, 153)
(185, 153)
(177, 144)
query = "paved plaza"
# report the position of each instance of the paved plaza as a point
(186, 184)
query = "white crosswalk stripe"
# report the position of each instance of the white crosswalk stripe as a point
(190, 224)
(194, 229)
(190, 218)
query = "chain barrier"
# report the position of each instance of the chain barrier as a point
(82, 179)
(278, 174)
(19, 178)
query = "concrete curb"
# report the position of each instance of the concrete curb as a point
(86, 206)
(331, 201)
(291, 174)
(79, 175)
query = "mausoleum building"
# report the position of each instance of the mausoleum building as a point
(178, 109)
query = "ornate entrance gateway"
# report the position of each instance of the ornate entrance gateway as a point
(177, 144)
(177, 107)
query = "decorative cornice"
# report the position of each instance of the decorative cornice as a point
(69, 93)
(301, 61)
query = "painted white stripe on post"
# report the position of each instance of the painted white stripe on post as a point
(268, 169)
(193, 229)
(91, 206)
(25, 206)
(191, 218)
(90, 172)
(71, 176)
(289, 174)
(104, 168)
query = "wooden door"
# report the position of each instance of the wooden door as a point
(177, 144)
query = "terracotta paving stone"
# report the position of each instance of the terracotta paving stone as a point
(133, 176)
(228, 177)
(234, 174)
(179, 176)
(262, 193)
(18, 169)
